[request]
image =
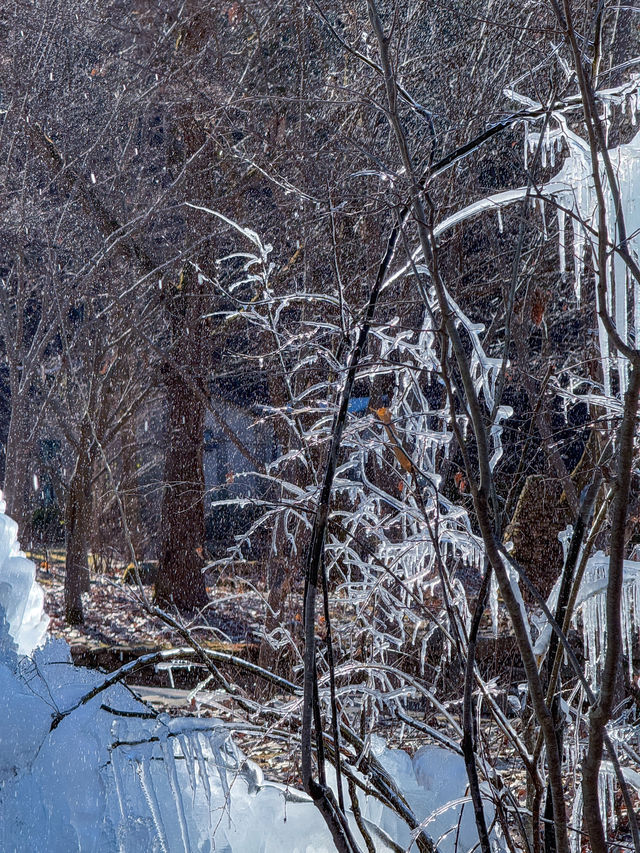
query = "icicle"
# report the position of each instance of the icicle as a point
(500, 223)
(565, 539)
(204, 774)
(607, 121)
(603, 339)
(493, 603)
(562, 260)
(503, 413)
(578, 257)
(118, 784)
(576, 822)
(149, 791)
(592, 605)
(172, 775)
(627, 639)
(185, 745)
(619, 275)
(611, 811)
(416, 627)
(636, 312)
(120, 797)
(221, 765)
(602, 801)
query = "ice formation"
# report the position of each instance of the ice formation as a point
(590, 611)
(21, 597)
(101, 781)
(110, 775)
(578, 197)
(591, 605)
(572, 193)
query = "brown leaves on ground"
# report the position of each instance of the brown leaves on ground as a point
(115, 614)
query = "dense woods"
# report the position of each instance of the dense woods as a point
(339, 303)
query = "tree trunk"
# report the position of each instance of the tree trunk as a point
(601, 713)
(76, 580)
(280, 581)
(131, 496)
(180, 580)
(16, 472)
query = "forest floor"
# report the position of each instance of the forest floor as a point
(115, 614)
(117, 629)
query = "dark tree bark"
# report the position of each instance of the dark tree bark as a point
(78, 511)
(131, 498)
(16, 475)
(180, 580)
(280, 582)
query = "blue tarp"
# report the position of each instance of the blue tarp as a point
(358, 404)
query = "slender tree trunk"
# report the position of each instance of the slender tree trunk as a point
(16, 473)
(469, 737)
(280, 579)
(311, 719)
(76, 579)
(131, 496)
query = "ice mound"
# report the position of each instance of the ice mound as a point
(109, 775)
(112, 777)
(21, 597)
(434, 783)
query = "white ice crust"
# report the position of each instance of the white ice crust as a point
(21, 596)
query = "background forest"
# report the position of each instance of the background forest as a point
(320, 359)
